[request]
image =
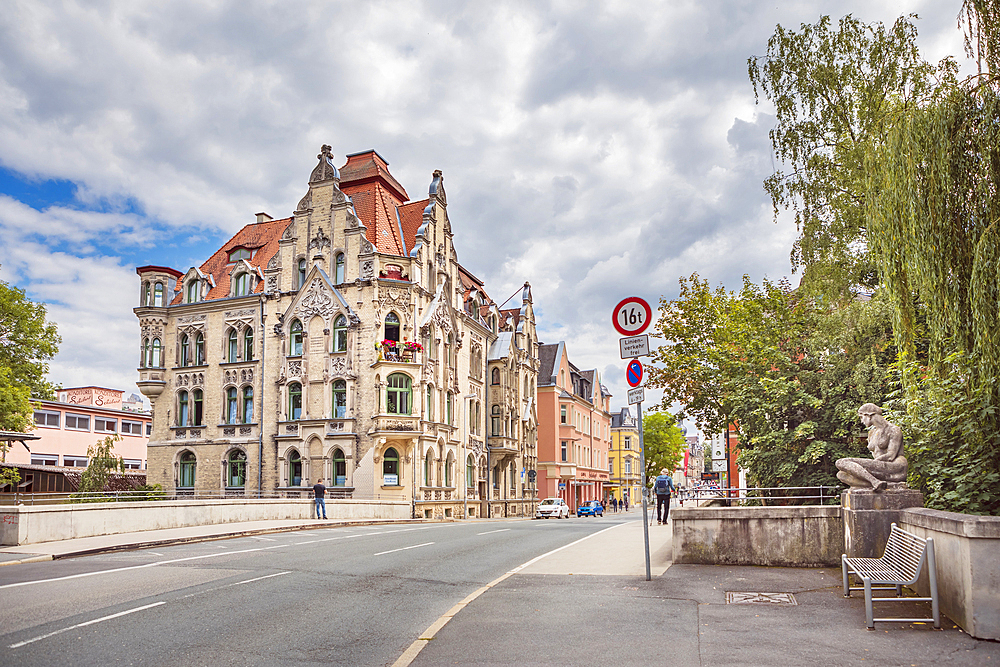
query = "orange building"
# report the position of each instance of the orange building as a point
(80, 418)
(574, 429)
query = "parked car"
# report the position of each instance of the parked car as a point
(591, 508)
(552, 507)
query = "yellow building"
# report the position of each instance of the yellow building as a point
(624, 462)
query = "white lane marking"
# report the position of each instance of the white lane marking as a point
(266, 539)
(154, 553)
(425, 544)
(148, 606)
(80, 625)
(490, 532)
(182, 560)
(410, 654)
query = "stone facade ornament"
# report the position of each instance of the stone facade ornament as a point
(317, 301)
(367, 268)
(885, 442)
(325, 170)
(306, 202)
(366, 246)
(321, 241)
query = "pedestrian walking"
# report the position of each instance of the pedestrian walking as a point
(663, 486)
(319, 491)
(626, 503)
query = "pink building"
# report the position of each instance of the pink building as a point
(78, 419)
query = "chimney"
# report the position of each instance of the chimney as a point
(264, 217)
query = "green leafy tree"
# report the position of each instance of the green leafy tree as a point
(101, 465)
(789, 373)
(935, 230)
(27, 342)
(833, 88)
(663, 442)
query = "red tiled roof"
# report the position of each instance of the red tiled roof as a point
(411, 215)
(376, 194)
(260, 236)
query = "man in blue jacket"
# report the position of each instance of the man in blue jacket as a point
(663, 487)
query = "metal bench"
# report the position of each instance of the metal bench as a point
(900, 565)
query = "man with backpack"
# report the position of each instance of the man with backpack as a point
(663, 486)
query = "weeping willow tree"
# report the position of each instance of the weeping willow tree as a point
(933, 211)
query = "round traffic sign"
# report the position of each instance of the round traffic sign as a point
(633, 373)
(631, 316)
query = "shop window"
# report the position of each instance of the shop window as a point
(390, 468)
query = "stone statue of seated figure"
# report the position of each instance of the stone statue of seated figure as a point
(885, 442)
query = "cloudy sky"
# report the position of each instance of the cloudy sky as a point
(597, 149)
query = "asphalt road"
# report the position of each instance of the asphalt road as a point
(350, 596)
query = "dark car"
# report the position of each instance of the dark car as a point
(592, 508)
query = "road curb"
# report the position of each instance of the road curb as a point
(32, 559)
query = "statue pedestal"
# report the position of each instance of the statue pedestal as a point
(868, 517)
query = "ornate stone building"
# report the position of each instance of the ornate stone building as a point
(345, 343)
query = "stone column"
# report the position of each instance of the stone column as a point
(868, 516)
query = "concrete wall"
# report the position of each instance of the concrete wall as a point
(30, 525)
(967, 549)
(784, 536)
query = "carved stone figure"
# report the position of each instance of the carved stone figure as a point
(885, 442)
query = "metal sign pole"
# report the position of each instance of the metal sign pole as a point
(645, 508)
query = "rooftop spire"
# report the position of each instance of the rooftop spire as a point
(325, 170)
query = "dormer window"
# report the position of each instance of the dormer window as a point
(240, 253)
(192, 292)
(241, 284)
(158, 295)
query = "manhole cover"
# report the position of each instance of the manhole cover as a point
(737, 597)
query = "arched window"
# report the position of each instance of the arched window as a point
(495, 420)
(300, 278)
(451, 351)
(495, 376)
(185, 351)
(339, 468)
(248, 344)
(392, 327)
(339, 399)
(158, 295)
(147, 294)
(339, 273)
(241, 284)
(144, 356)
(294, 401)
(450, 408)
(294, 468)
(390, 467)
(513, 476)
(236, 469)
(232, 349)
(295, 339)
(430, 403)
(470, 472)
(183, 413)
(428, 467)
(448, 465)
(197, 408)
(154, 354)
(248, 404)
(232, 406)
(340, 334)
(199, 350)
(192, 291)
(188, 463)
(397, 400)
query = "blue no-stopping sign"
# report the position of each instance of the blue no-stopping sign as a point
(634, 373)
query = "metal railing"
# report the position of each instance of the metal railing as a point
(769, 496)
(32, 499)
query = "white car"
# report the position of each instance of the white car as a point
(550, 507)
